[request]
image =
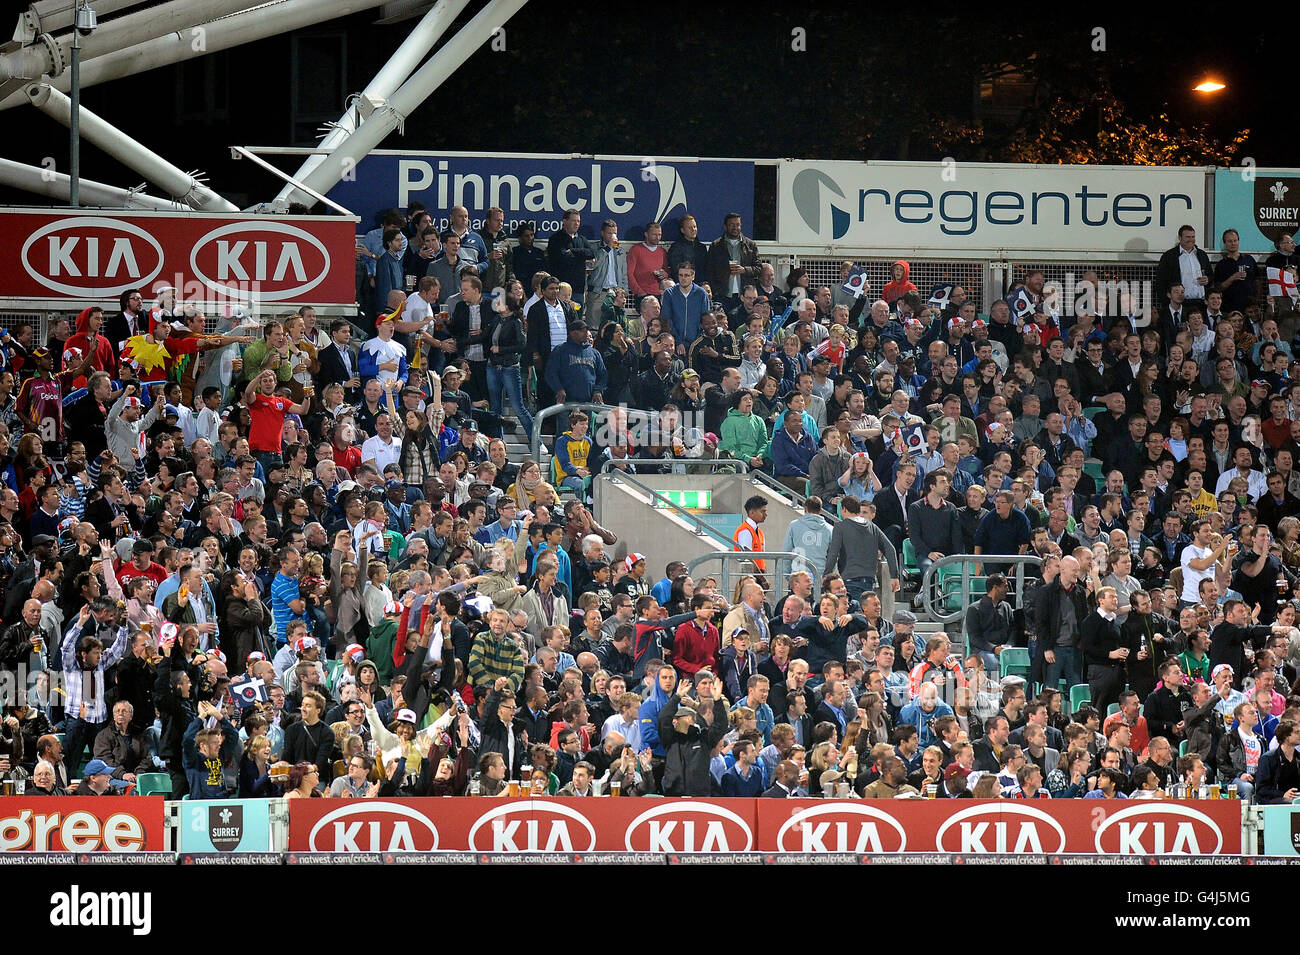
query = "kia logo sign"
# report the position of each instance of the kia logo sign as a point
(89, 256)
(841, 827)
(1157, 829)
(1000, 827)
(278, 261)
(368, 826)
(688, 827)
(532, 826)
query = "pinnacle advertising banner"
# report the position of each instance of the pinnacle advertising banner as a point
(540, 189)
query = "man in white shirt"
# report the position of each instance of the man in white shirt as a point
(1241, 457)
(1190, 267)
(1198, 562)
(383, 449)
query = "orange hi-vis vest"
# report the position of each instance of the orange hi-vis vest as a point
(749, 536)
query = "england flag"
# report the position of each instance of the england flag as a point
(1280, 282)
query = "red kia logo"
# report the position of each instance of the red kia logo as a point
(370, 826)
(688, 827)
(841, 827)
(268, 260)
(91, 256)
(1000, 827)
(1152, 829)
(532, 826)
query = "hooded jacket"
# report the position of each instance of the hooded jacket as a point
(897, 288)
(649, 714)
(744, 436)
(105, 353)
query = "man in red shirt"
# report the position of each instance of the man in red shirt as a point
(647, 263)
(267, 410)
(696, 643)
(142, 564)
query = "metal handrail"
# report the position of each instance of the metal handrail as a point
(759, 477)
(1020, 561)
(701, 528)
(710, 463)
(587, 406)
(777, 557)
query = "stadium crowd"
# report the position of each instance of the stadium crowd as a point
(267, 562)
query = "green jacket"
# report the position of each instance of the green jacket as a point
(744, 436)
(379, 648)
(255, 357)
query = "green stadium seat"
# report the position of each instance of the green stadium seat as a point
(1014, 661)
(1093, 470)
(1092, 411)
(1182, 749)
(1112, 710)
(909, 556)
(1080, 695)
(153, 784)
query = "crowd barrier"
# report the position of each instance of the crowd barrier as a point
(669, 827)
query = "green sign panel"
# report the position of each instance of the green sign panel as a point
(691, 500)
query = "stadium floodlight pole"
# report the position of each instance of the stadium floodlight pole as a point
(399, 66)
(177, 183)
(42, 182)
(255, 23)
(85, 25)
(409, 97)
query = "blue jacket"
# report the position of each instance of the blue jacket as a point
(577, 370)
(791, 458)
(684, 312)
(196, 771)
(913, 715)
(649, 715)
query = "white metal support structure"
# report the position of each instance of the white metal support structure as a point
(175, 182)
(254, 23)
(399, 66)
(51, 16)
(405, 100)
(126, 31)
(42, 182)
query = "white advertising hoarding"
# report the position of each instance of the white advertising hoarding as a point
(904, 206)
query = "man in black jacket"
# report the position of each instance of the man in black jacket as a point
(1228, 639)
(545, 335)
(135, 681)
(1059, 608)
(311, 740)
(500, 732)
(535, 717)
(567, 254)
(687, 746)
(733, 261)
(1169, 271)
(1164, 707)
(988, 751)
(1106, 650)
(338, 363)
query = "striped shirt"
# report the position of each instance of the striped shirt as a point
(491, 659)
(87, 686)
(284, 590)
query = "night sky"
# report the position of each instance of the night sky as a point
(722, 80)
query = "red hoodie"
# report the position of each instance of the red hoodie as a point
(105, 356)
(896, 289)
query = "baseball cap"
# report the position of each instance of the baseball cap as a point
(171, 410)
(686, 711)
(1260, 383)
(355, 651)
(954, 770)
(632, 560)
(97, 767)
(40, 539)
(256, 655)
(690, 373)
(142, 546)
(955, 322)
(738, 630)
(303, 644)
(1220, 668)
(979, 323)
(132, 402)
(392, 608)
(404, 716)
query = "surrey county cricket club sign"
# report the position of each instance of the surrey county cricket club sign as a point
(766, 825)
(58, 260)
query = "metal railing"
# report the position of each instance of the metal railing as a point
(772, 484)
(658, 498)
(968, 562)
(707, 463)
(777, 559)
(590, 407)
